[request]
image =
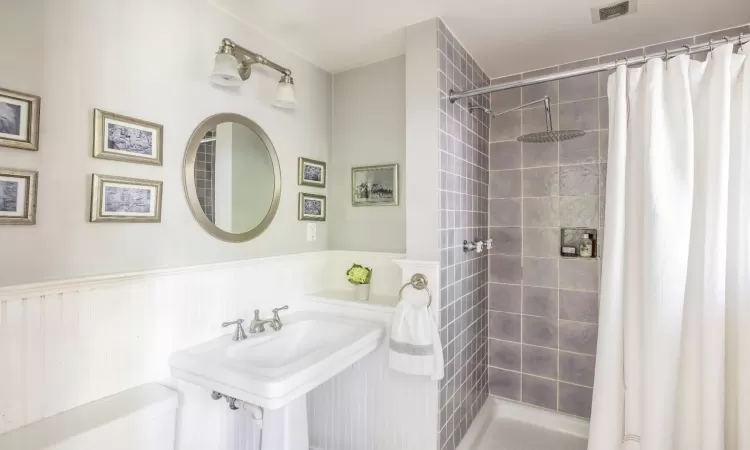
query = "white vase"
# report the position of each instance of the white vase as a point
(362, 292)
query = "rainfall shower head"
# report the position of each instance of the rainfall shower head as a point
(550, 136)
(540, 137)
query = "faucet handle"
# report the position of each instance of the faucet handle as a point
(239, 333)
(275, 311)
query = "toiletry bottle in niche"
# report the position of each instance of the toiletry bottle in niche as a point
(587, 245)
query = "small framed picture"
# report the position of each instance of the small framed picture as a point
(17, 197)
(124, 138)
(120, 199)
(311, 173)
(312, 207)
(375, 185)
(19, 120)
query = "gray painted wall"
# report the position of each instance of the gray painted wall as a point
(174, 92)
(369, 128)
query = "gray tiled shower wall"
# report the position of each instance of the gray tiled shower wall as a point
(543, 308)
(464, 177)
(205, 160)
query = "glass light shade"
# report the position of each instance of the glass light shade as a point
(285, 97)
(225, 70)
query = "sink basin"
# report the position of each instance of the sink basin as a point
(272, 368)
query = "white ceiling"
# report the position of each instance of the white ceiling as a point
(505, 36)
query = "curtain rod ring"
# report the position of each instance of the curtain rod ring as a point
(742, 44)
(624, 58)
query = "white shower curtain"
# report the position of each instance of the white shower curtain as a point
(673, 358)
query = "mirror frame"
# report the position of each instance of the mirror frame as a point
(189, 177)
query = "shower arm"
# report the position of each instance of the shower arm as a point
(547, 109)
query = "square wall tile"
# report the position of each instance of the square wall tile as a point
(539, 391)
(505, 100)
(538, 91)
(540, 272)
(505, 184)
(541, 242)
(575, 400)
(505, 355)
(580, 87)
(506, 269)
(505, 213)
(541, 212)
(505, 297)
(540, 302)
(579, 275)
(577, 337)
(540, 155)
(507, 240)
(579, 180)
(582, 150)
(505, 326)
(506, 127)
(577, 368)
(535, 119)
(540, 331)
(578, 212)
(541, 182)
(582, 115)
(505, 155)
(539, 361)
(579, 306)
(504, 383)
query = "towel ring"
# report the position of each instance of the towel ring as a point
(418, 282)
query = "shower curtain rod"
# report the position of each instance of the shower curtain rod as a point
(684, 50)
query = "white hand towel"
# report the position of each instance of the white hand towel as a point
(414, 346)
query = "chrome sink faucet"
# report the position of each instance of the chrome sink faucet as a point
(258, 325)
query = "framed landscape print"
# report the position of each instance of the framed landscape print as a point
(124, 138)
(312, 207)
(375, 185)
(19, 120)
(120, 199)
(311, 173)
(17, 197)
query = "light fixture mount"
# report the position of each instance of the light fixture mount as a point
(245, 59)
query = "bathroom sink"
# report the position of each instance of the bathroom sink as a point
(272, 368)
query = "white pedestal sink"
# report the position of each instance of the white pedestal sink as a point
(275, 369)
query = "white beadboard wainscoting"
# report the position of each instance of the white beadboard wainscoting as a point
(64, 344)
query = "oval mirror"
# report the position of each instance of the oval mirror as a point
(232, 177)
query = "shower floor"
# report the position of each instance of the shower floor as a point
(504, 425)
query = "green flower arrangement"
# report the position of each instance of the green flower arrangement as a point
(359, 274)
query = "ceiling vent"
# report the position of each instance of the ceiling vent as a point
(613, 11)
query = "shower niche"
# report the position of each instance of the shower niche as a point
(578, 243)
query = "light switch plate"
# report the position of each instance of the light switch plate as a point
(312, 232)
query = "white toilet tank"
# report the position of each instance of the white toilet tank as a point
(141, 418)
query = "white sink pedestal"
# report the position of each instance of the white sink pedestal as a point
(286, 428)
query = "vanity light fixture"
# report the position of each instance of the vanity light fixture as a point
(231, 71)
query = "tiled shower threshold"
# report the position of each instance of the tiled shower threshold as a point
(506, 425)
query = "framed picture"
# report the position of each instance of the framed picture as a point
(19, 120)
(17, 197)
(375, 185)
(312, 207)
(120, 199)
(124, 138)
(311, 173)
